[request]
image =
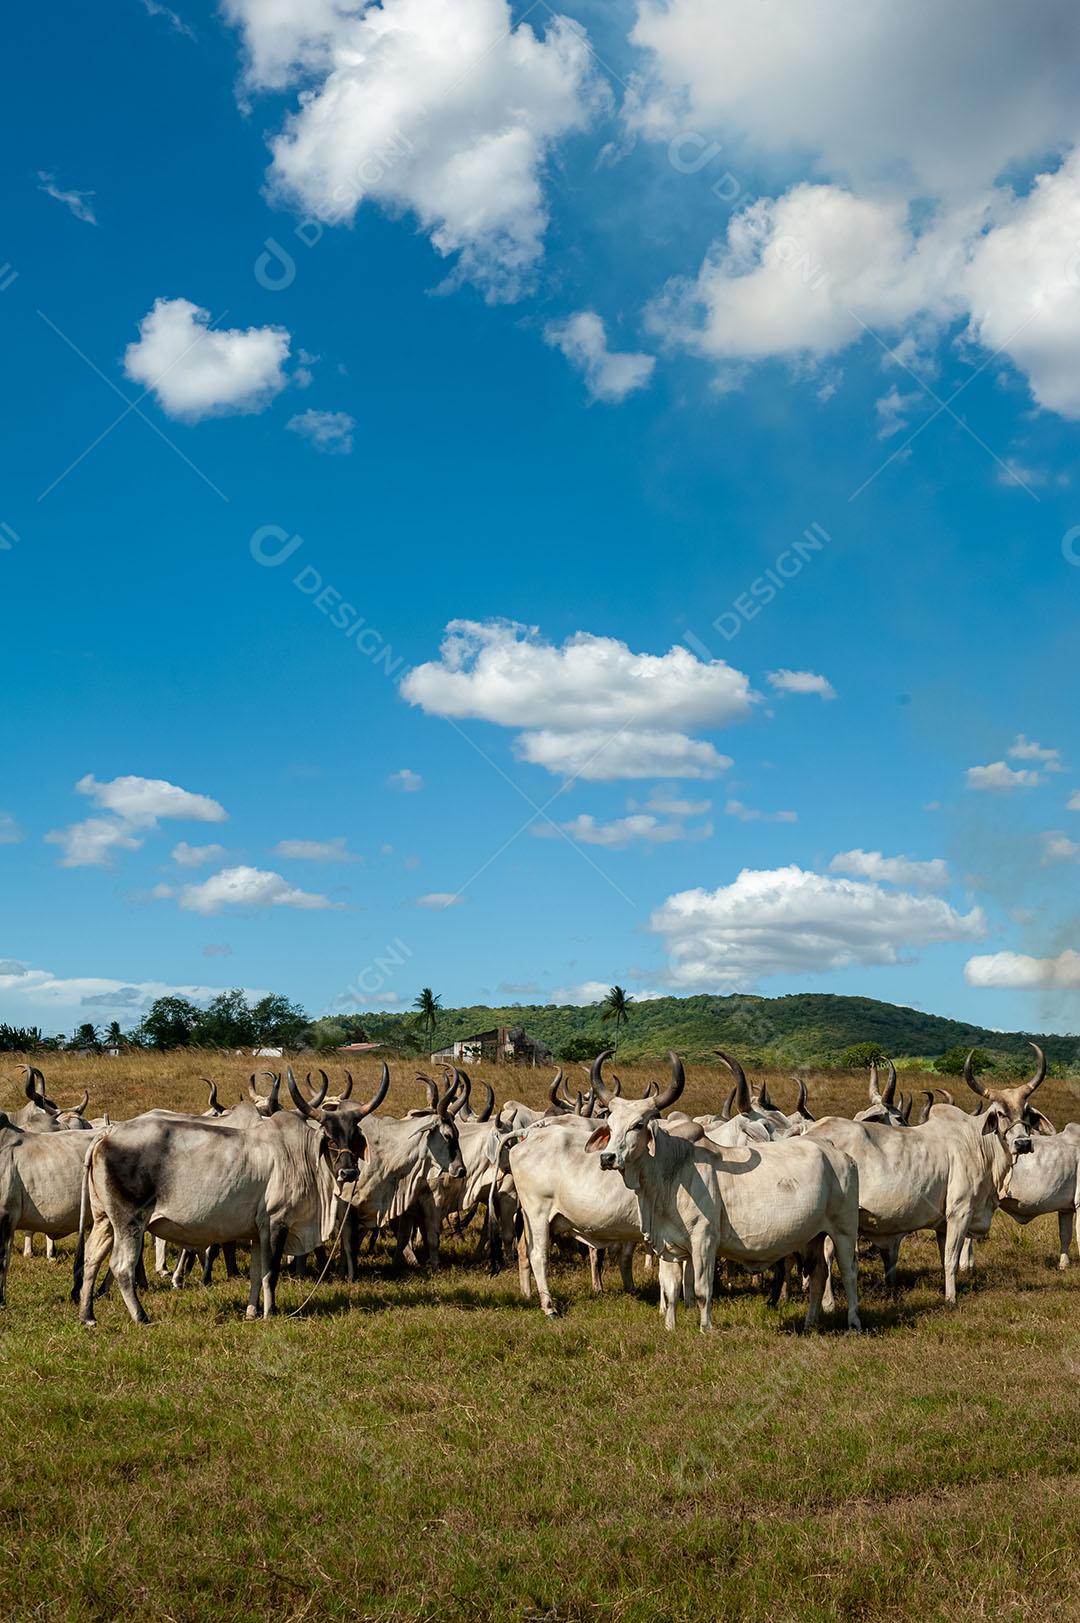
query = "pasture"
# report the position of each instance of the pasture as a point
(419, 1447)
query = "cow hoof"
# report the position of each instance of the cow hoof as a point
(551, 1313)
(88, 1324)
(250, 1315)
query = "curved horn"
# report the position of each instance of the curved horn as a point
(298, 1099)
(442, 1108)
(764, 1102)
(380, 1093)
(875, 1094)
(485, 1114)
(801, 1106)
(212, 1101)
(675, 1086)
(947, 1096)
(616, 1086)
(596, 1077)
(890, 1087)
(553, 1091)
(905, 1107)
(651, 1090)
(924, 1113)
(256, 1096)
(462, 1080)
(432, 1090)
(1040, 1071)
(971, 1079)
(579, 1104)
(77, 1110)
(31, 1083)
(728, 1102)
(742, 1088)
(317, 1098)
(347, 1089)
(273, 1100)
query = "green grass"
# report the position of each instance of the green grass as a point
(432, 1448)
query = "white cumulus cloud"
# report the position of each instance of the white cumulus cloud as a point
(932, 874)
(1026, 749)
(789, 921)
(335, 850)
(247, 887)
(195, 370)
(801, 682)
(748, 814)
(591, 708)
(610, 375)
(640, 828)
(134, 805)
(445, 110)
(196, 856)
(585, 993)
(1019, 970)
(998, 776)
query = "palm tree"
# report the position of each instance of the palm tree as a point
(616, 1006)
(429, 1004)
(114, 1037)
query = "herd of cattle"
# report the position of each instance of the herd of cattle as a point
(752, 1186)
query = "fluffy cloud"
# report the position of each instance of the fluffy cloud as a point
(1018, 970)
(593, 709)
(438, 900)
(443, 109)
(315, 850)
(1000, 777)
(798, 75)
(10, 832)
(327, 431)
(747, 814)
(38, 994)
(932, 874)
(136, 805)
(668, 805)
(801, 682)
(196, 856)
(640, 828)
(1026, 749)
(197, 371)
(1059, 848)
(247, 887)
(408, 781)
(1073, 802)
(610, 375)
(585, 993)
(788, 921)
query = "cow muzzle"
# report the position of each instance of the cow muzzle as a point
(609, 1161)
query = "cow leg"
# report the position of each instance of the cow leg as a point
(626, 1266)
(432, 1224)
(778, 1287)
(524, 1274)
(1065, 1220)
(596, 1269)
(161, 1265)
(817, 1269)
(953, 1245)
(890, 1256)
(7, 1234)
(967, 1256)
(687, 1268)
(279, 1234)
(259, 1254)
(96, 1250)
(704, 1275)
(538, 1234)
(28, 1244)
(671, 1276)
(847, 1260)
(829, 1300)
(126, 1257)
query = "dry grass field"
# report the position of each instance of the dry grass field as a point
(432, 1448)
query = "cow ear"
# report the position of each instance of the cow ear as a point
(991, 1121)
(651, 1130)
(1041, 1123)
(599, 1138)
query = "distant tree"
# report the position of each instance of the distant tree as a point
(169, 1022)
(278, 1023)
(19, 1039)
(226, 1022)
(114, 1037)
(85, 1036)
(428, 1004)
(576, 1049)
(951, 1063)
(860, 1055)
(616, 1007)
(327, 1034)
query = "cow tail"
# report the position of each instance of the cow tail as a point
(80, 1247)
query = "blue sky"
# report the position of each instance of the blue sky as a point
(625, 344)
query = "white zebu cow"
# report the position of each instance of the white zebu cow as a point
(40, 1181)
(948, 1174)
(200, 1183)
(753, 1205)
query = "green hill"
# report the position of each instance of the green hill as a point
(807, 1028)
